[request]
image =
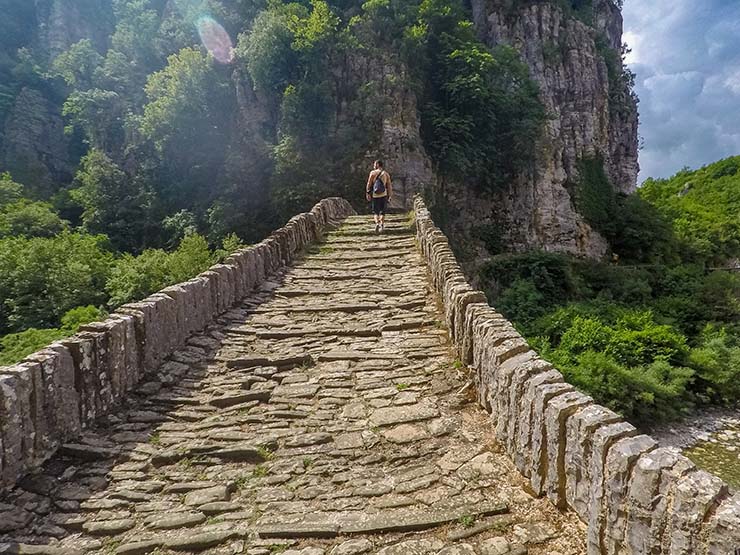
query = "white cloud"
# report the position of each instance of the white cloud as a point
(686, 56)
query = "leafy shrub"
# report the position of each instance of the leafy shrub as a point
(584, 334)
(15, 347)
(634, 347)
(720, 294)
(10, 191)
(717, 362)
(42, 278)
(135, 277)
(642, 394)
(522, 302)
(550, 273)
(30, 219)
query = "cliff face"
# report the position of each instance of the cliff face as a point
(568, 63)
(400, 140)
(33, 145)
(591, 116)
(65, 22)
(575, 62)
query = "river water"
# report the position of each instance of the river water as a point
(711, 439)
(720, 455)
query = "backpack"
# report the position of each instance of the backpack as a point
(378, 185)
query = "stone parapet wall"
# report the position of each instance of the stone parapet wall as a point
(50, 397)
(634, 496)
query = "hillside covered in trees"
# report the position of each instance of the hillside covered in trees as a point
(655, 331)
(191, 127)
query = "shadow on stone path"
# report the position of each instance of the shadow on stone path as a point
(325, 415)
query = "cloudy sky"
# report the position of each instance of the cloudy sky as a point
(686, 54)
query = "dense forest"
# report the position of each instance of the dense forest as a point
(198, 126)
(655, 331)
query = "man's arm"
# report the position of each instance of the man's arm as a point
(368, 187)
(389, 186)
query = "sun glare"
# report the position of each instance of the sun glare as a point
(216, 40)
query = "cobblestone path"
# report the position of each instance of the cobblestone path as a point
(325, 415)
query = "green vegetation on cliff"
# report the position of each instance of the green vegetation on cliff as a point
(703, 207)
(171, 154)
(656, 331)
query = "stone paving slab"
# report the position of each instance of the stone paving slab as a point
(325, 415)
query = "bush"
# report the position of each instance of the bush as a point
(584, 335)
(135, 277)
(16, 346)
(42, 278)
(522, 302)
(30, 219)
(641, 394)
(645, 345)
(720, 294)
(555, 323)
(717, 362)
(549, 273)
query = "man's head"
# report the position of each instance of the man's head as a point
(378, 164)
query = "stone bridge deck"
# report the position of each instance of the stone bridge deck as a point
(325, 415)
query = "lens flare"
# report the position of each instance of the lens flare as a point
(216, 40)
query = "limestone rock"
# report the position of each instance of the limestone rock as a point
(352, 547)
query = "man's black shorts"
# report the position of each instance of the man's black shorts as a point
(379, 205)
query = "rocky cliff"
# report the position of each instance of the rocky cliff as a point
(575, 57)
(33, 145)
(62, 23)
(573, 54)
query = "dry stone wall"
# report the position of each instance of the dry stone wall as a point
(50, 397)
(634, 496)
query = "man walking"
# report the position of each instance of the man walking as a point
(378, 191)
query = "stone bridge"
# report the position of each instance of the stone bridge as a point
(331, 392)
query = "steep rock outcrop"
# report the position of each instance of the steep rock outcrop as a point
(65, 22)
(591, 115)
(401, 144)
(33, 146)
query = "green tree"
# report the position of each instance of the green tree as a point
(114, 203)
(98, 114)
(183, 102)
(14, 347)
(188, 121)
(42, 278)
(134, 277)
(268, 52)
(702, 206)
(10, 191)
(136, 26)
(30, 219)
(77, 64)
(482, 116)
